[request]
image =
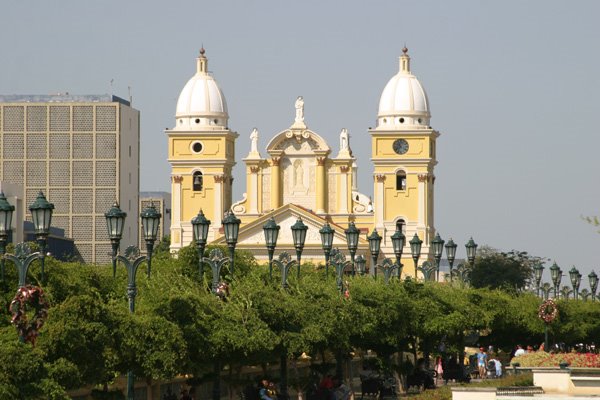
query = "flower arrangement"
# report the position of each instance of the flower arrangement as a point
(543, 359)
(548, 311)
(29, 310)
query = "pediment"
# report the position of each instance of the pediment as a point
(298, 141)
(251, 236)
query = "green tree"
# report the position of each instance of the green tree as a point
(510, 271)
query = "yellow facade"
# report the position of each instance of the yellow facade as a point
(300, 177)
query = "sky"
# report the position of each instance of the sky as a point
(513, 88)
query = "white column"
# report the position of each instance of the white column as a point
(379, 200)
(176, 232)
(218, 216)
(422, 200)
(343, 194)
(254, 190)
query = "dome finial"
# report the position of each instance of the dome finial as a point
(405, 61)
(201, 62)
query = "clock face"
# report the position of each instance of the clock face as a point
(400, 146)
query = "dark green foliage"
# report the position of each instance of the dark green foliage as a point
(509, 271)
(180, 327)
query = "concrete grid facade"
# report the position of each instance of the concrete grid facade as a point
(83, 153)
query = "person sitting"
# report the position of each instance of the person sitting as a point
(265, 393)
(341, 391)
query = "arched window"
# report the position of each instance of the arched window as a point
(198, 181)
(400, 180)
(400, 225)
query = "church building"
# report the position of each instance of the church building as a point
(299, 176)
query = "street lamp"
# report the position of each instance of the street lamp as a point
(415, 249)
(132, 261)
(538, 271)
(284, 263)
(556, 275)
(398, 242)
(216, 260)
(388, 267)
(200, 227)
(6, 212)
(361, 264)
(471, 247)
(299, 236)
(574, 276)
(593, 279)
(150, 223)
(115, 220)
(340, 263)
(271, 230)
(41, 215)
(438, 247)
(374, 247)
(451, 254)
(352, 234)
(326, 233)
(231, 226)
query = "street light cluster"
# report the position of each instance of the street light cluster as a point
(556, 275)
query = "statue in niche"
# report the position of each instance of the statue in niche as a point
(254, 141)
(344, 140)
(299, 109)
(298, 174)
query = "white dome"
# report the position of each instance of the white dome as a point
(403, 102)
(201, 104)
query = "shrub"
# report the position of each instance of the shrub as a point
(542, 359)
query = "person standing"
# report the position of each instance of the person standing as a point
(482, 359)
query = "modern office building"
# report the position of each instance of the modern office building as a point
(83, 153)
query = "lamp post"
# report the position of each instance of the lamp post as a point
(438, 247)
(538, 271)
(415, 250)
(398, 242)
(451, 254)
(374, 247)
(593, 279)
(284, 263)
(556, 275)
(6, 212)
(388, 267)
(271, 230)
(41, 215)
(546, 288)
(216, 260)
(231, 226)
(115, 219)
(326, 233)
(471, 247)
(361, 264)
(340, 263)
(22, 259)
(299, 236)
(132, 261)
(150, 223)
(200, 227)
(575, 281)
(428, 270)
(352, 234)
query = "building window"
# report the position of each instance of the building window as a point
(198, 181)
(401, 180)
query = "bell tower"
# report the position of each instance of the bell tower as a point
(404, 156)
(201, 154)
